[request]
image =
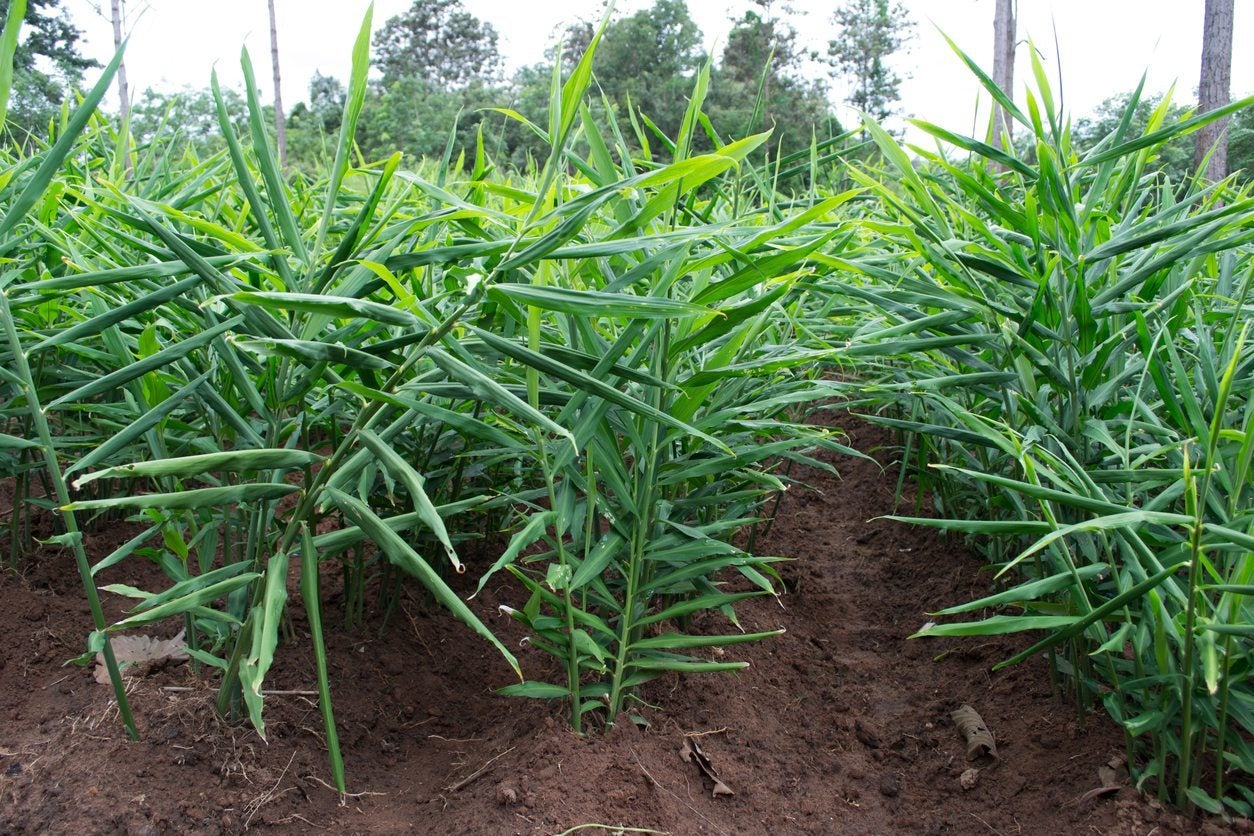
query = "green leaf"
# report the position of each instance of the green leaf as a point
(998, 625)
(404, 556)
(1149, 721)
(199, 498)
(340, 307)
(311, 352)
(230, 462)
(675, 641)
(1079, 624)
(67, 139)
(114, 380)
(253, 669)
(8, 50)
(532, 531)
(681, 664)
(113, 316)
(1199, 797)
(357, 85)
(594, 303)
(187, 603)
(206, 658)
(1029, 591)
(1159, 137)
(591, 385)
(184, 587)
(492, 392)
(535, 690)
(401, 469)
(123, 439)
(12, 442)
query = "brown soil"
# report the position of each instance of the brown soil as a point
(841, 725)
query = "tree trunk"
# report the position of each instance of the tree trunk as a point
(1003, 67)
(280, 123)
(124, 98)
(1214, 88)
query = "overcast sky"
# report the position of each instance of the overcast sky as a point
(1102, 48)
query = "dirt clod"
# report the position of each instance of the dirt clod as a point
(866, 733)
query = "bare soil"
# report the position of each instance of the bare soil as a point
(840, 725)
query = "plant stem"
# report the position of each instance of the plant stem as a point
(73, 535)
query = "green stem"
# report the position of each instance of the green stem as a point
(1195, 499)
(313, 492)
(568, 604)
(73, 535)
(313, 609)
(642, 531)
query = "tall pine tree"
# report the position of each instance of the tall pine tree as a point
(870, 31)
(1215, 86)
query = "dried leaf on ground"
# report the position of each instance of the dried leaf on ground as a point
(135, 653)
(1114, 777)
(692, 752)
(979, 739)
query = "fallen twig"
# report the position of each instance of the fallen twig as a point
(269, 795)
(658, 784)
(613, 828)
(472, 777)
(185, 688)
(344, 794)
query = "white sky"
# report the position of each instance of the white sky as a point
(1103, 45)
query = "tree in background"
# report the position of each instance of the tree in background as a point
(185, 119)
(312, 128)
(116, 16)
(326, 102)
(1174, 159)
(439, 42)
(1241, 144)
(279, 122)
(650, 59)
(439, 64)
(1215, 87)
(870, 31)
(414, 116)
(39, 86)
(573, 41)
(762, 58)
(1004, 68)
(647, 60)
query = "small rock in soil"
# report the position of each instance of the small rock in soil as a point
(866, 733)
(969, 779)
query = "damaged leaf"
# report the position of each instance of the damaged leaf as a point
(132, 652)
(692, 753)
(979, 739)
(1113, 777)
